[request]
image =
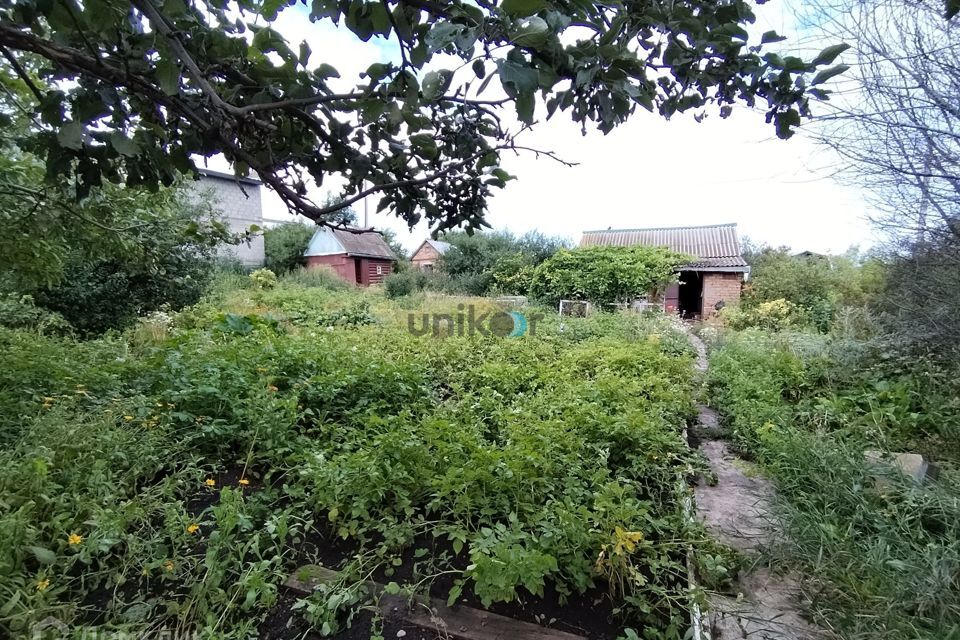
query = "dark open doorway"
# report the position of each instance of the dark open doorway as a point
(690, 301)
(358, 270)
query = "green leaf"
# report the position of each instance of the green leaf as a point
(534, 33)
(828, 55)
(441, 35)
(380, 18)
(124, 145)
(785, 121)
(435, 83)
(425, 145)
(43, 556)
(168, 76)
(325, 70)
(517, 78)
(771, 36)
(454, 593)
(479, 69)
(378, 70)
(522, 8)
(270, 8)
(526, 102)
(71, 136)
(826, 74)
(392, 588)
(305, 52)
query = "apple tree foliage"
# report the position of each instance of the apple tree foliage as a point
(134, 92)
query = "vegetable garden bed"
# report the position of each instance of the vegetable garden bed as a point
(188, 473)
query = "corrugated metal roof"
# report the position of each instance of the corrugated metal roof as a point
(717, 245)
(368, 244)
(441, 246)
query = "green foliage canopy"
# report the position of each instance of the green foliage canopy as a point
(284, 245)
(605, 275)
(143, 87)
(817, 285)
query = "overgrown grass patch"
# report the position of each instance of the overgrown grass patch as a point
(882, 549)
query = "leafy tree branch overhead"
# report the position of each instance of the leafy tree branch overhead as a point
(138, 89)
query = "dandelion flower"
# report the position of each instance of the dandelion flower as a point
(73, 539)
(210, 482)
(168, 565)
(128, 418)
(243, 481)
(43, 584)
(193, 528)
(272, 388)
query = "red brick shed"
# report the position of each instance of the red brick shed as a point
(713, 280)
(360, 256)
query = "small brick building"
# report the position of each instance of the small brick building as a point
(426, 256)
(358, 256)
(707, 284)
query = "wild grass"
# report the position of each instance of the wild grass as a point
(881, 548)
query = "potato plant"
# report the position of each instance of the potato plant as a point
(174, 481)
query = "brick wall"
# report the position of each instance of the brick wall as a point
(239, 211)
(427, 255)
(720, 286)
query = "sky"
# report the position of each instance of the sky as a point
(647, 173)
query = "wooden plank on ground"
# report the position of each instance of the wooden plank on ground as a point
(465, 623)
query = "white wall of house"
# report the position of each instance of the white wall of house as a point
(240, 205)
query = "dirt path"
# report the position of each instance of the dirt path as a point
(736, 510)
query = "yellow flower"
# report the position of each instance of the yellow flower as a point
(262, 369)
(243, 481)
(128, 418)
(272, 388)
(193, 528)
(74, 539)
(210, 482)
(168, 565)
(43, 584)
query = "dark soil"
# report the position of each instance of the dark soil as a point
(590, 614)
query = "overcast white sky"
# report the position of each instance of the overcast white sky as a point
(649, 172)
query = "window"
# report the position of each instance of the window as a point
(379, 269)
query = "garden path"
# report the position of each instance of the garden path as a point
(736, 509)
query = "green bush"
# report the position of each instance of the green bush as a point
(263, 279)
(775, 315)
(817, 286)
(605, 275)
(404, 283)
(284, 246)
(111, 294)
(20, 312)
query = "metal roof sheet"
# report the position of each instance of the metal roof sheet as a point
(712, 242)
(441, 246)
